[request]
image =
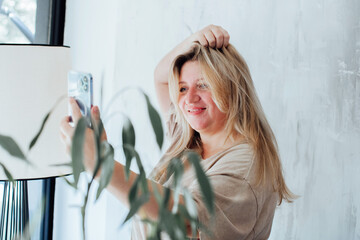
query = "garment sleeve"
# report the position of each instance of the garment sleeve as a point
(235, 207)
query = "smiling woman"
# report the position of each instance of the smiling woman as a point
(213, 109)
(196, 103)
(207, 95)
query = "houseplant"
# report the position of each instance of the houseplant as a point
(170, 221)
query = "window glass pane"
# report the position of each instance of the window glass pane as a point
(17, 21)
(1, 192)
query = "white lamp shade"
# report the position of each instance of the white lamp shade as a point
(32, 79)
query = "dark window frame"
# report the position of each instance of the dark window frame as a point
(55, 37)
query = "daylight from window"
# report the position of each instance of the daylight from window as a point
(17, 20)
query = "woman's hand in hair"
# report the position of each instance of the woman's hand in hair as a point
(212, 36)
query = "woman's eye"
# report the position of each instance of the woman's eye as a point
(203, 86)
(182, 89)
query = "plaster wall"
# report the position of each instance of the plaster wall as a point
(304, 56)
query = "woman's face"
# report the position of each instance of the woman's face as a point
(196, 103)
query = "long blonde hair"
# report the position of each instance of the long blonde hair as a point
(232, 88)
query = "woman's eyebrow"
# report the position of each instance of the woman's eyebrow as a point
(197, 80)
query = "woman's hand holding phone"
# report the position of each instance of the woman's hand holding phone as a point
(67, 132)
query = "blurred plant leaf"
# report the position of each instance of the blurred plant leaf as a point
(176, 168)
(190, 204)
(166, 198)
(155, 121)
(98, 130)
(181, 227)
(205, 187)
(193, 221)
(156, 193)
(144, 183)
(168, 223)
(7, 173)
(34, 140)
(12, 147)
(135, 206)
(128, 138)
(69, 164)
(133, 190)
(134, 153)
(107, 167)
(71, 184)
(77, 149)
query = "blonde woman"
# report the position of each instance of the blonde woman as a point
(206, 92)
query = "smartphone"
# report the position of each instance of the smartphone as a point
(80, 87)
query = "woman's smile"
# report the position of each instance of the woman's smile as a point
(195, 110)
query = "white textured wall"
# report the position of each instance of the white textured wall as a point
(304, 56)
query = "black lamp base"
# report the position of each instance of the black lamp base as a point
(15, 210)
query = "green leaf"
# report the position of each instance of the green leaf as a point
(71, 184)
(190, 204)
(176, 168)
(7, 173)
(69, 164)
(156, 193)
(12, 147)
(144, 182)
(107, 167)
(133, 190)
(128, 137)
(168, 223)
(166, 198)
(98, 130)
(181, 227)
(34, 140)
(133, 152)
(128, 132)
(77, 149)
(135, 206)
(193, 220)
(205, 187)
(155, 121)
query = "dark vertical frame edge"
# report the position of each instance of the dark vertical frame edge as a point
(57, 22)
(56, 38)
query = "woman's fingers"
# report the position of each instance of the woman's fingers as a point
(75, 110)
(202, 40)
(213, 36)
(219, 36)
(209, 35)
(226, 37)
(66, 133)
(95, 114)
(65, 127)
(67, 143)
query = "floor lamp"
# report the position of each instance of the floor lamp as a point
(32, 80)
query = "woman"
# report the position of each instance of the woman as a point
(205, 89)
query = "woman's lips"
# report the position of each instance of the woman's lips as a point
(195, 111)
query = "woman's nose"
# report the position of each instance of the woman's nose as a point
(192, 96)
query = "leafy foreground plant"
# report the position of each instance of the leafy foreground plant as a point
(14, 150)
(172, 221)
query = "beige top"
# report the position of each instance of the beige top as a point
(241, 210)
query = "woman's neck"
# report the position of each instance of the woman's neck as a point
(212, 144)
